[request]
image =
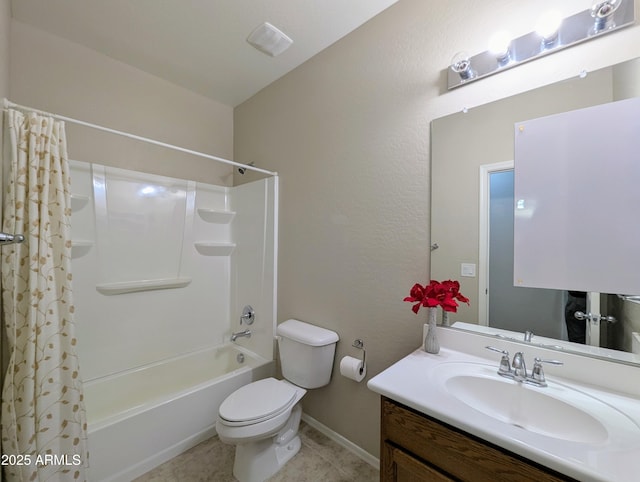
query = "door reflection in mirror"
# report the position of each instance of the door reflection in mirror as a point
(512, 307)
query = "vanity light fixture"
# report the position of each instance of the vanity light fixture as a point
(552, 33)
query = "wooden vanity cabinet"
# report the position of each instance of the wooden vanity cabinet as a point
(416, 448)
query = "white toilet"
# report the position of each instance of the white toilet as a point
(262, 418)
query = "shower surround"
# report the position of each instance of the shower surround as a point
(162, 268)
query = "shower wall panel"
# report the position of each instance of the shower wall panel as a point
(142, 227)
(253, 267)
(124, 329)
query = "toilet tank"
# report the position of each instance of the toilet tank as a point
(306, 353)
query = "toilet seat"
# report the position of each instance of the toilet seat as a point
(240, 408)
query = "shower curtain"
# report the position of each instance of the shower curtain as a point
(43, 419)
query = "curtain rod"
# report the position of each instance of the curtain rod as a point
(8, 104)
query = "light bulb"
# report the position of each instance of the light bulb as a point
(548, 25)
(461, 65)
(499, 45)
(602, 13)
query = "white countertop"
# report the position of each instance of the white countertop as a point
(413, 381)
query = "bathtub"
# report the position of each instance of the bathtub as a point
(141, 418)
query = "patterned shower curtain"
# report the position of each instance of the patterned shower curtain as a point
(44, 436)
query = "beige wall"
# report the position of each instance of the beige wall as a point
(55, 75)
(5, 37)
(348, 132)
(5, 23)
(5, 30)
(626, 80)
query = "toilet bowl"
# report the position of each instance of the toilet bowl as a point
(266, 433)
(262, 418)
(241, 419)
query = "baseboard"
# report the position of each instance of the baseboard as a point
(342, 441)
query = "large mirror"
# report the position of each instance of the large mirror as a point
(472, 217)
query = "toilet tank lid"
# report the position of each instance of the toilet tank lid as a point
(306, 333)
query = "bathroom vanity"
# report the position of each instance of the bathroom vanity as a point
(414, 447)
(451, 416)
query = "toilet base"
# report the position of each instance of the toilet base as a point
(259, 460)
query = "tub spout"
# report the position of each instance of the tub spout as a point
(235, 336)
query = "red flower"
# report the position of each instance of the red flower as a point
(416, 294)
(445, 294)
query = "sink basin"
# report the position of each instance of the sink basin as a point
(554, 411)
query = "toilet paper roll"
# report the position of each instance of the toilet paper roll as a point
(353, 368)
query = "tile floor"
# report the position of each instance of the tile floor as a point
(320, 460)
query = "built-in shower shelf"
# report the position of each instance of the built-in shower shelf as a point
(78, 201)
(80, 247)
(216, 216)
(215, 249)
(142, 285)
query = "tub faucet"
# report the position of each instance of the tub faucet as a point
(235, 336)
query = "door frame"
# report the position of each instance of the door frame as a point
(483, 259)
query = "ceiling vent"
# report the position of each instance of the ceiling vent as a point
(268, 39)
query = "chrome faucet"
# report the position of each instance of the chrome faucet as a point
(519, 367)
(517, 370)
(235, 336)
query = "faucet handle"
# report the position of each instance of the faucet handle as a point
(505, 366)
(248, 315)
(537, 373)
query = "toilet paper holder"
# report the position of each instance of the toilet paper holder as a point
(359, 344)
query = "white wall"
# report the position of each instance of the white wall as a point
(348, 132)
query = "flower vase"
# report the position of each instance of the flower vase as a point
(445, 318)
(431, 343)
